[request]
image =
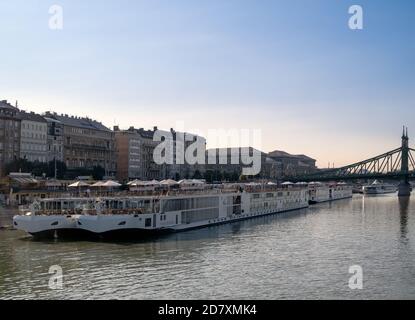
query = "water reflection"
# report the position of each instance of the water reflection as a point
(403, 214)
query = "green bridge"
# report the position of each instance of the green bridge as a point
(398, 164)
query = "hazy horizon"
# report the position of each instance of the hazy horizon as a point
(290, 68)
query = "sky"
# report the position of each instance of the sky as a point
(290, 68)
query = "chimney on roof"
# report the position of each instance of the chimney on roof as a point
(155, 128)
(116, 128)
(131, 128)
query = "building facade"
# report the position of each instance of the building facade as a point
(54, 140)
(135, 150)
(33, 137)
(9, 134)
(86, 144)
(293, 165)
(128, 154)
(135, 155)
(181, 168)
(230, 163)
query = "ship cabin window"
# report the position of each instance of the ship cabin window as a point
(279, 194)
(145, 206)
(270, 195)
(148, 222)
(256, 196)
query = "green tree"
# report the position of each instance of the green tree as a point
(197, 175)
(208, 176)
(98, 173)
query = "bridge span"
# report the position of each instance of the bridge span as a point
(397, 164)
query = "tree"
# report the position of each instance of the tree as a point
(98, 173)
(19, 165)
(197, 175)
(208, 176)
(37, 168)
(217, 176)
(235, 176)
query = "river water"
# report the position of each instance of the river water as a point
(298, 255)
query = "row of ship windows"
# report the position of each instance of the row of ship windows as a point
(275, 204)
(271, 195)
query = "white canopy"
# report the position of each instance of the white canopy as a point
(98, 184)
(169, 182)
(287, 183)
(136, 183)
(314, 182)
(78, 184)
(271, 183)
(191, 181)
(152, 183)
(111, 184)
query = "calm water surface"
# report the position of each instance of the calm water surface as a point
(299, 255)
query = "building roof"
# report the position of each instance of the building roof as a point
(48, 119)
(6, 105)
(149, 134)
(232, 150)
(283, 154)
(78, 122)
(7, 110)
(31, 116)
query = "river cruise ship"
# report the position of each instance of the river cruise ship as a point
(134, 216)
(379, 188)
(321, 192)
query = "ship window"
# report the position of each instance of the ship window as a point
(256, 196)
(148, 222)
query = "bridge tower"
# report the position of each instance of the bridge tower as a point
(404, 186)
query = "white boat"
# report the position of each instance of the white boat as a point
(379, 188)
(321, 192)
(141, 215)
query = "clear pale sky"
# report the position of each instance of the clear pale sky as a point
(290, 68)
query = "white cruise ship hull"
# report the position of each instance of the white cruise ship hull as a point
(127, 226)
(137, 225)
(325, 193)
(47, 226)
(130, 217)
